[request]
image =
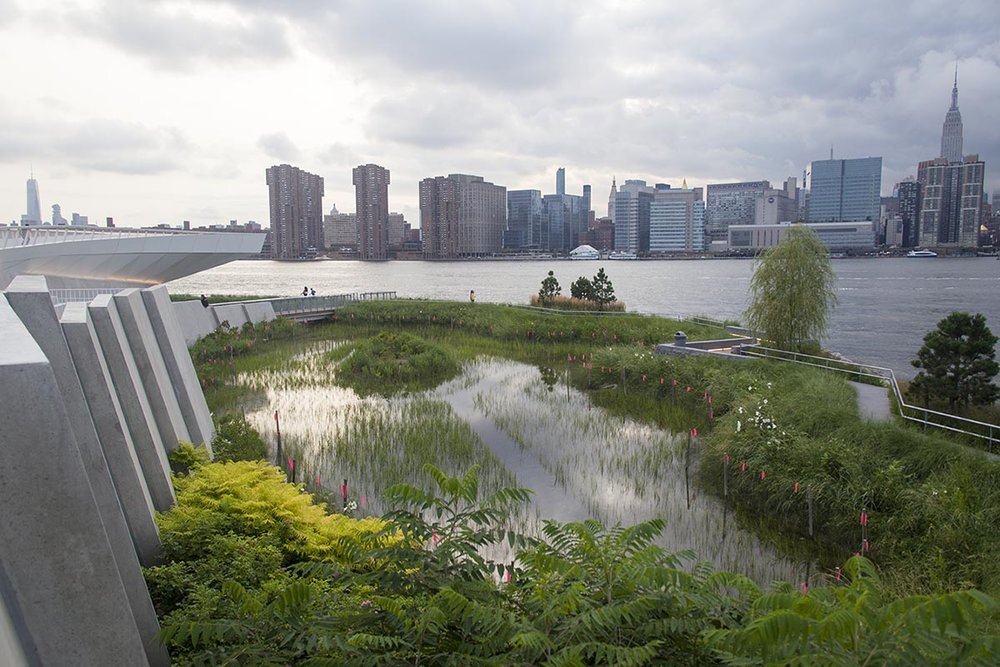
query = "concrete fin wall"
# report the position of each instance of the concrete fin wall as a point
(29, 299)
(259, 311)
(151, 367)
(115, 438)
(232, 313)
(180, 368)
(139, 420)
(62, 586)
(195, 320)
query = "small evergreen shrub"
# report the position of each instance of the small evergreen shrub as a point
(236, 440)
(393, 361)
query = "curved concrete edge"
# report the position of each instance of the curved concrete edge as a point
(180, 368)
(62, 585)
(30, 301)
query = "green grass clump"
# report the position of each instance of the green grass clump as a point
(392, 362)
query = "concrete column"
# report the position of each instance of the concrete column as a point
(132, 397)
(115, 439)
(29, 298)
(152, 370)
(180, 368)
(62, 588)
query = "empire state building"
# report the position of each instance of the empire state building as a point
(951, 133)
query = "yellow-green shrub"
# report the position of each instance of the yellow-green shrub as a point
(252, 498)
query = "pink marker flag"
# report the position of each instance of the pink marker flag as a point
(796, 487)
(291, 464)
(838, 574)
(726, 459)
(364, 502)
(763, 474)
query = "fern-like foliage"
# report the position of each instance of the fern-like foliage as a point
(853, 624)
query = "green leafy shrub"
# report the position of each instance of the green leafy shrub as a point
(236, 440)
(252, 499)
(186, 458)
(396, 361)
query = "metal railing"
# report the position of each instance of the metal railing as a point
(71, 295)
(984, 432)
(17, 237)
(315, 305)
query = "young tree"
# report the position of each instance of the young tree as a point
(550, 288)
(582, 289)
(604, 291)
(792, 290)
(958, 362)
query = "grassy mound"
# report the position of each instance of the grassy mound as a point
(394, 361)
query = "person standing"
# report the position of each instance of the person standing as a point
(472, 296)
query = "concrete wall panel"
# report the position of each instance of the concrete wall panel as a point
(232, 313)
(259, 311)
(61, 583)
(29, 299)
(115, 438)
(139, 418)
(194, 319)
(180, 368)
(152, 369)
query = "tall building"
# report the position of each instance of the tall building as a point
(611, 200)
(340, 230)
(951, 201)
(676, 220)
(57, 216)
(525, 215)
(730, 204)
(951, 131)
(34, 213)
(296, 203)
(561, 181)
(846, 190)
(371, 194)
(908, 204)
(396, 230)
(631, 216)
(773, 206)
(461, 216)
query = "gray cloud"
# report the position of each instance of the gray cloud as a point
(278, 145)
(97, 144)
(173, 36)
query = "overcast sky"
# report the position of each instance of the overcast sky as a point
(161, 111)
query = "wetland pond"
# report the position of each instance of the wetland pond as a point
(524, 426)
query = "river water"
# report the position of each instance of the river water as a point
(885, 306)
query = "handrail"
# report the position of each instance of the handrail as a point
(883, 375)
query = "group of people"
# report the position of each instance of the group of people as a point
(306, 291)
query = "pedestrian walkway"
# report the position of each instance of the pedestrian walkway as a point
(873, 402)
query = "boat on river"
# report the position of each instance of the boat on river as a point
(623, 254)
(921, 253)
(584, 252)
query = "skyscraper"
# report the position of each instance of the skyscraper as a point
(729, 204)
(296, 203)
(561, 181)
(525, 214)
(676, 220)
(34, 213)
(371, 191)
(908, 194)
(951, 131)
(461, 216)
(631, 215)
(952, 201)
(846, 190)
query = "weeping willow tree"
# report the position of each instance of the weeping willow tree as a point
(792, 291)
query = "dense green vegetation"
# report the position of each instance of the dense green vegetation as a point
(394, 361)
(774, 438)
(258, 574)
(236, 440)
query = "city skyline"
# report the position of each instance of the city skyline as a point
(167, 111)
